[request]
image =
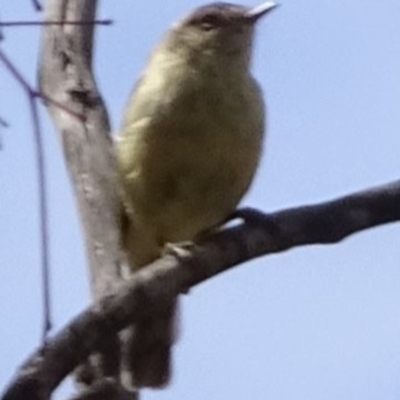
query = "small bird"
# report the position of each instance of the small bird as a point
(189, 147)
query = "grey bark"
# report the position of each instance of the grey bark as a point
(78, 112)
(180, 269)
(65, 75)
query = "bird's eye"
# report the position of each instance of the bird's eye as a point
(206, 26)
(209, 22)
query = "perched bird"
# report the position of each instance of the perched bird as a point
(189, 147)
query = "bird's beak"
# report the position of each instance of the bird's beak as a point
(255, 13)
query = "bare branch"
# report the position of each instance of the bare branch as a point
(47, 99)
(36, 5)
(42, 190)
(32, 95)
(12, 24)
(15, 73)
(153, 286)
(65, 77)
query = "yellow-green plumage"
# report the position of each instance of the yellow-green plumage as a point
(189, 148)
(188, 158)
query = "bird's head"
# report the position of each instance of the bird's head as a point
(218, 30)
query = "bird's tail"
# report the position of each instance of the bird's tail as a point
(146, 352)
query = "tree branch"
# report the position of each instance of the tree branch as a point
(18, 24)
(42, 188)
(181, 269)
(66, 77)
(36, 5)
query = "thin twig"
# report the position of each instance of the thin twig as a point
(4, 123)
(36, 5)
(10, 24)
(15, 73)
(41, 173)
(59, 105)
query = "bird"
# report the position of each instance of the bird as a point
(188, 149)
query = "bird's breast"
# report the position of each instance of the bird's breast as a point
(199, 150)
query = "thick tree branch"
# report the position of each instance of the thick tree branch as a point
(66, 77)
(180, 270)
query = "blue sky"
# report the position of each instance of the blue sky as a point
(316, 323)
